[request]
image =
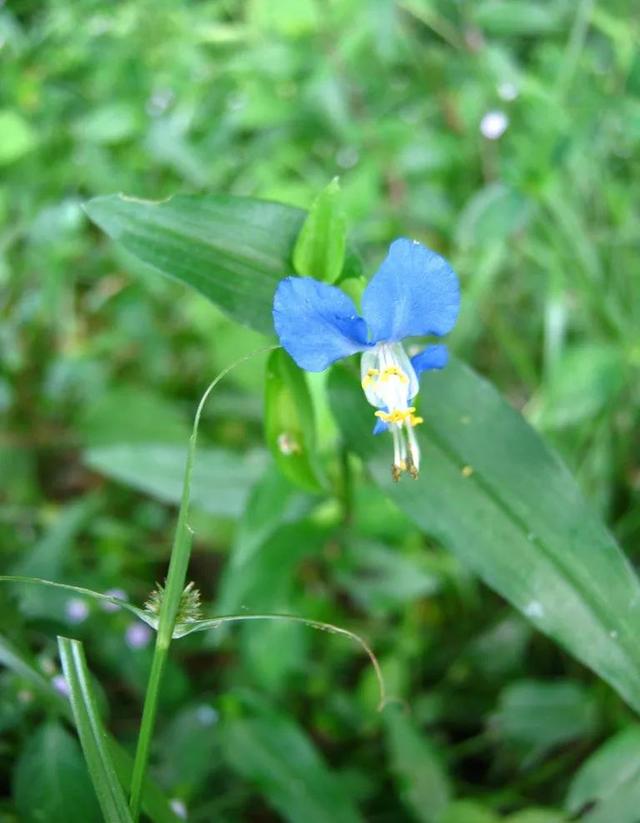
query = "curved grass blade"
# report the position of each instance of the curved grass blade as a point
(115, 601)
(183, 629)
(216, 622)
(92, 735)
(493, 493)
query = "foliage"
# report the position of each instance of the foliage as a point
(102, 363)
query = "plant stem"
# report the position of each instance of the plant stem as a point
(174, 586)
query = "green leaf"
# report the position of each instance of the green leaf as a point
(265, 579)
(131, 414)
(537, 815)
(380, 578)
(154, 803)
(288, 18)
(187, 748)
(320, 248)
(466, 811)
(273, 753)
(90, 730)
(110, 123)
(269, 505)
(289, 422)
(516, 17)
(49, 556)
(583, 381)
(22, 664)
(610, 778)
(538, 716)
(18, 137)
(51, 782)
(493, 493)
(491, 216)
(233, 250)
(423, 782)
(221, 478)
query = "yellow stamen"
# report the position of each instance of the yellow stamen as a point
(415, 421)
(370, 377)
(397, 415)
(394, 371)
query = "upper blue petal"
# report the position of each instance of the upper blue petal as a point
(414, 292)
(317, 323)
(433, 357)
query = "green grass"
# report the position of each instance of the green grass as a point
(102, 364)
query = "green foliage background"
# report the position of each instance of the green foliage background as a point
(102, 363)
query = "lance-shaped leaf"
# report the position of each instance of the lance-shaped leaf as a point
(492, 492)
(234, 250)
(273, 753)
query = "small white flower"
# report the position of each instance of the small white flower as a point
(494, 124)
(178, 807)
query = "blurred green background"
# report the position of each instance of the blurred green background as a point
(503, 133)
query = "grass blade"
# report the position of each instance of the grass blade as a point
(92, 735)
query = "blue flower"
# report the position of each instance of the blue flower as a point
(414, 293)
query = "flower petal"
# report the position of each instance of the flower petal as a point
(414, 292)
(433, 357)
(317, 323)
(380, 426)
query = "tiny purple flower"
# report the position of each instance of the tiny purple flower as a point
(138, 635)
(60, 684)
(119, 594)
(76, 610)
(207, 715)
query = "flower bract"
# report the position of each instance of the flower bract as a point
(414, 293)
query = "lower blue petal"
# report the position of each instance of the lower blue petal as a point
(317, 323)
(380, 425)
(433, 357)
